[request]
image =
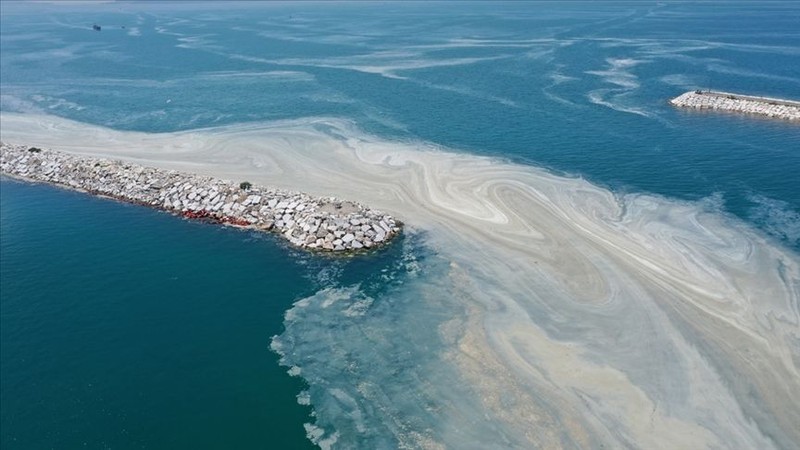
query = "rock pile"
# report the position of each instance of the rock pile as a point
(770, 107)
(325, 224)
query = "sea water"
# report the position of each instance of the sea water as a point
(123, 327)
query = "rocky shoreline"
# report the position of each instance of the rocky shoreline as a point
(763, 106)
(315, 223)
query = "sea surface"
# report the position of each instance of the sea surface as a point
(123, 327)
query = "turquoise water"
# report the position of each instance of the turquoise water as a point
(123, 327)
(117, 321)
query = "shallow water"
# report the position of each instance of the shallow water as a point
(649, 299)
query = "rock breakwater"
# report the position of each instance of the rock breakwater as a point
(763, 106)
(315, 223)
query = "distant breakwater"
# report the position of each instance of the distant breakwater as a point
(726, 101)
(314, 223)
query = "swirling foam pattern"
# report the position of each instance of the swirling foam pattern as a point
(563, 315)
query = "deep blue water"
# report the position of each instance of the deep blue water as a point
(128, 328)
(579, 88)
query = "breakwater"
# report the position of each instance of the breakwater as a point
(315, 223)
(726, 101)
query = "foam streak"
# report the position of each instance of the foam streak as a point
(592, 319)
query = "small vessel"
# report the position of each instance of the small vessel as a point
(96, 27)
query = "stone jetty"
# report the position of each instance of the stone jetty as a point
(725, 101)
(315, 223)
